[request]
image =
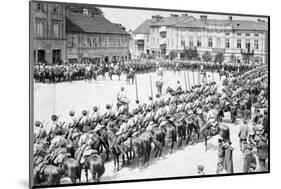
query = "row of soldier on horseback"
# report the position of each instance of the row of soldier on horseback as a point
(69, 72)
(161, 122)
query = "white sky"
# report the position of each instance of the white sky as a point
(131, 18)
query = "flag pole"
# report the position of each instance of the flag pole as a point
(185, 81)
(151, 86)
(137, 95)
(188, 80)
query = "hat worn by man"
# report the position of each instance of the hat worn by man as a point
(54, 117)
(71, 113)
(200, 167)
(84, 112)
(37, 123)
(95, 108)
(108, 106)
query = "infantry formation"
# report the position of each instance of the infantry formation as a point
(173, 119)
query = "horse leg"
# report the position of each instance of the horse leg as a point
(117, 160)
(94, 176)
(114, 161)
(128, 157)
(206, 142)
(172, 146)
(86, 174)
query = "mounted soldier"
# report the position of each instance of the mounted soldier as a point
(39, 131)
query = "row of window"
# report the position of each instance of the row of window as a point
(41, 28)
(72, 41)
(42, 8)
(246, 34)
(198, 43)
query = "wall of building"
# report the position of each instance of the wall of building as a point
(218, 34)
(46, 36)
(92, 46)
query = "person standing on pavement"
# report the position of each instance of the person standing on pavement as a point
(243, 133)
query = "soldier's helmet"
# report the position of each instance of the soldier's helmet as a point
(108, 106)
(157, 95)
(71, 113)
(54, 117)
(37, 123)
(150, 98)
(84, 112)
(122, 88)
(95, 108)
(200, 167)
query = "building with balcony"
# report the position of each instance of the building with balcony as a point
(141, 38)
(238, 40)
(94, 38)
(48, 32)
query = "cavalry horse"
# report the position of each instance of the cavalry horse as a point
(130, 77)
(115, 71)
(206, 129)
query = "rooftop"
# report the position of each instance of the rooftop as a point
(235, 24)
(144, 28)
(173, 20)
(80, 23)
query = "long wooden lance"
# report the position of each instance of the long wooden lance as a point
(198, 77)
(188, 80)
(137, 95)
(185, 81)
(212, 73)
(151, 86)
(193, 76)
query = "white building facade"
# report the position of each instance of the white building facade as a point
(238, 40)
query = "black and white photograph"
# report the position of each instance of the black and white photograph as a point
(121, 94)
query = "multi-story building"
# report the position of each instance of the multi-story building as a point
(94, 38)
(48, 32)
(141, 37)
(238, 40)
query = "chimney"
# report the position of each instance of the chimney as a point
(183, 15)
(230, 18)
(174, 15)
(203, 17)
(156, 18)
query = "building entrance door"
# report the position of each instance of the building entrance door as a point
(41, 56)
(248, 46)
(56, 56)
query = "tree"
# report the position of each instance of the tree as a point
(207, 57)
(219, 57)
(232, 58)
